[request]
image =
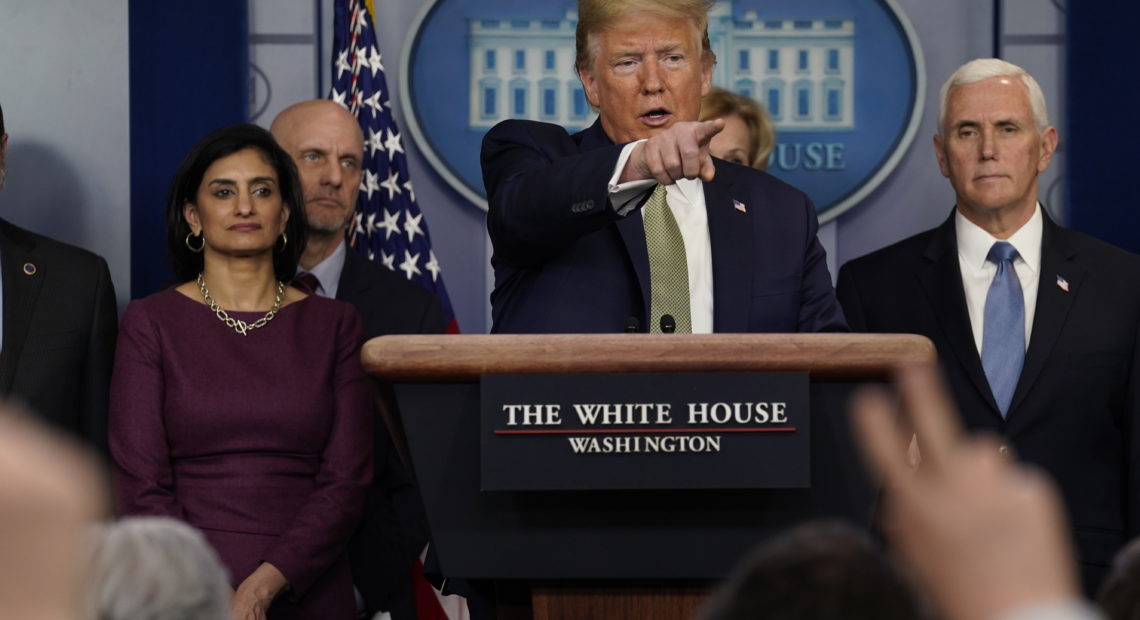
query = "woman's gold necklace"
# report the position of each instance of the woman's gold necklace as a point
(238, 325)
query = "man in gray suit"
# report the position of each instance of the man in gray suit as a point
(328, 147)
(59, 327)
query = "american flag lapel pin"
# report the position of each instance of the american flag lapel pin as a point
(739, 206)
(1062, 284)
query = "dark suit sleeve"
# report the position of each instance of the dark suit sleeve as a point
(100, 359)
(543, 191)
(849, 298)
(322, 527)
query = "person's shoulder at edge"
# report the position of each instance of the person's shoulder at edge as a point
(155, 304)
(519, 126)
(535, 135)
(392, 283)
(887, 257)
(345, 315)
(778, 196)
(1100, 250)
(728, 172)
(45, 245)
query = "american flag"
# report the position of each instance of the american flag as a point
(389, 226)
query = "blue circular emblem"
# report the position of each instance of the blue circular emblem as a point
(842, 80)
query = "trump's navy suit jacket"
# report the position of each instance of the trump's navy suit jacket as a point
(1074, 412)
(566, 262)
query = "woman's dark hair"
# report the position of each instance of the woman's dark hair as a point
(184, 188)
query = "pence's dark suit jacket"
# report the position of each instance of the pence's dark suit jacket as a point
(393, 530)
(1074, 411)
(60, 326)
(565, 262)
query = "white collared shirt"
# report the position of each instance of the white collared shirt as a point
(974, 245)
(328, 271)
(686, 199)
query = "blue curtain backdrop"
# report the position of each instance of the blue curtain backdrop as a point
(1103, 99)
(189, 67)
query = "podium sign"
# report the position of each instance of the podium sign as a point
(728, 430)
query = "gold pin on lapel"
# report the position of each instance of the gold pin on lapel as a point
(30, 269)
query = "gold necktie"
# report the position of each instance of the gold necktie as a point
(668, 269)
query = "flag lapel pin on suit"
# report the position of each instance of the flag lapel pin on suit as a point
(1062, 284)
(739, 206)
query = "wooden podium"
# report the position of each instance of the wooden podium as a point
(616, 554)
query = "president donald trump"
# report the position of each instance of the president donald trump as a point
(630, 225)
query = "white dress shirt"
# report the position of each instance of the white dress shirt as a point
(686, 200)
(974, 245)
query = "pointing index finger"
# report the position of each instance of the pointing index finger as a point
(707, 129)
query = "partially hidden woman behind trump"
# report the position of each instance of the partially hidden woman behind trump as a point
(238, 403)
(748, 137)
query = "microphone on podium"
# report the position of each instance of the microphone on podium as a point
(668, 324)
(632, 325)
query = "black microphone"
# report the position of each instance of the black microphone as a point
(632, 325)
(668, 325)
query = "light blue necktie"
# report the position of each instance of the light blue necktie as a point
(1003, 329)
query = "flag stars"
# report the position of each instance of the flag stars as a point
(370, 183)
(392, 184)
(390, 225)
(375, 141)
(374, 103)
(388, 260)
(433, 266)
(359, 87)
(342, 63)
(393, 143)
(409, 266)
(359, 21)
(412, 225)
(374, 61)
(359, 58)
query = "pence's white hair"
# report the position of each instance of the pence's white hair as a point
(985, 68)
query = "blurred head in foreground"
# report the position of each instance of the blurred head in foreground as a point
(818, 571)
(157, 568)
(51, 490)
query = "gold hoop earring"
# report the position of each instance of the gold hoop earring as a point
(196, 250)
(284, 242)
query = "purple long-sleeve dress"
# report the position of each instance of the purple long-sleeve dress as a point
(262, 441)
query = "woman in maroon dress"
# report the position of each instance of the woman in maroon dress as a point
(238, 403)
